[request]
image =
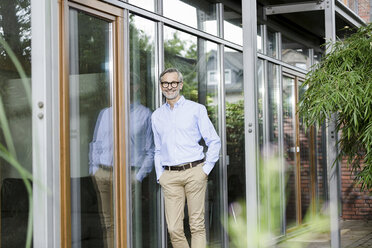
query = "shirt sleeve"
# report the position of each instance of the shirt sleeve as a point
(157, 157)
(211, 138)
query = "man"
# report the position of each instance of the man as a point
(180, 164)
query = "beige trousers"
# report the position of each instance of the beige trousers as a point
(104, 181)
(178, 186)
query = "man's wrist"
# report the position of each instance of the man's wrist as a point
(207, 168)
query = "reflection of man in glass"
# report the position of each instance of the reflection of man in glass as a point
(101, 162)
(181, 167)
(101, 167)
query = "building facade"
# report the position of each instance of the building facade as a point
(79, 81)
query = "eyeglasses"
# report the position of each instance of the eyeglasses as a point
(174, 84)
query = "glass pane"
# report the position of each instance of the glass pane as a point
(317, 57)
(145, 210)
(209, 96)
(91, 131)
(305, 163)
(270, 196)
(15, 121)
(145, 4)
(259, 39)
(353, 5)
(197, 60)
(233, 61)
(321, 164)
(295, 54)
(260, 101)
(273, 108)
(289, 147)
(233, 28)
(271, 46)
(197, 14)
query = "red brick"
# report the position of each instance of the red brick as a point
(364, 210)
(349, 212)
(364, 205)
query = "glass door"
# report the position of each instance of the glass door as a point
(299, 155)
(91, 129)
(145, 208)
(90, 176)
(290, 150)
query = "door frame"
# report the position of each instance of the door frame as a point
(116, 16)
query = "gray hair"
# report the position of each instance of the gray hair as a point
(170, 70)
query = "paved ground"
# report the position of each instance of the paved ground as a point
(354, 234)
(359, 234)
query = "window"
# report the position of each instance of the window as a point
(15, 121)
(271, 45)
(145, 210)
(213, 77)
(233, 26)
(197, 14)
(145, 4)
(295, 53)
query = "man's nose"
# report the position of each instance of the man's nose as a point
(170, 86)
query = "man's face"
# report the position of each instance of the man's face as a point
(169, 91)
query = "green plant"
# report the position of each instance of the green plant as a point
(341, 83)
(8, 152)
(269, 215)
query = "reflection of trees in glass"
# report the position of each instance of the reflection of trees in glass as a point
(177, 54)
(16, 132)
(235, 150)
(235, 131)
(141, 62)
(89, 69)
(15, 28)
(90, 43)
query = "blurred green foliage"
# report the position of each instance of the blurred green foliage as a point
(269, 216)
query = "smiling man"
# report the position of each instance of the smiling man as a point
(181, 166)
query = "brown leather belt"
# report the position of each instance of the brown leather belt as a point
(184, 166)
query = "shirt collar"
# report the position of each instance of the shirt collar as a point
(178, 103)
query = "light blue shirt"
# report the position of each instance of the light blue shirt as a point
(141, 148)
(177, 133)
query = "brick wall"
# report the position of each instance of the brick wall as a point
(356, 205)
(364, 9)
(361, 8)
